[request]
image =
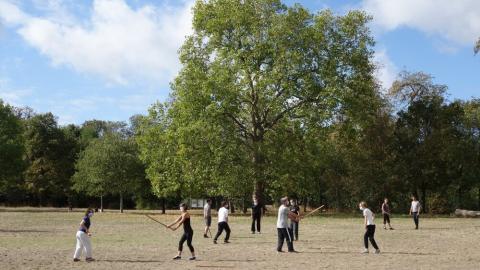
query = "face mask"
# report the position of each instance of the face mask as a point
(181, 209)
(90, 214)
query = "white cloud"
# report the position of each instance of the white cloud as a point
(387, 71)
(117, 42)
(455, 21)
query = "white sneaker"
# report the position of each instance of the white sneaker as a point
(377, 251)
(365, 251)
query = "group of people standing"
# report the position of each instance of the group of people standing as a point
(287, 232)
(369, 224)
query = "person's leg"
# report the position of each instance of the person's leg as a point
(78, 248)
(219, 230)
(258, 222)
(365, 239)
(281, 237)
(296, 229)
(371, 236)
(289, 239)
(189, 244)
(385, 216)
(252, 229)
(227, 230)
(87, 245)
(415, 219)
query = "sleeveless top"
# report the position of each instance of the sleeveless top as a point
(86, 222)
(186, 226)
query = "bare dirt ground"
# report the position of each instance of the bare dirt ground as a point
(46, 240)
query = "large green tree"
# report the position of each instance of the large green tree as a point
(109, 165)
(249, 68)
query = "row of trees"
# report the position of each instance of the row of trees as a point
(271, 101)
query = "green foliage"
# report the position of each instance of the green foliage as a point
(109, 165)
(11, 149)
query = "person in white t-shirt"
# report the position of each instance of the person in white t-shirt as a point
(223, 223)
(283, 230)
(415, 209)
(369, 228)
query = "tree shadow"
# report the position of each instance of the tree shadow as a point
(23, 231)
(130, 261)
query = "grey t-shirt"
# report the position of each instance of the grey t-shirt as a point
(282, 220)
(207, 210)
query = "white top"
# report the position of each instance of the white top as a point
(415, 206)
(223, 215)
(369, 215)
(207, 210)
(282, 220)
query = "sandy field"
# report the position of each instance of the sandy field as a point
(46, 240)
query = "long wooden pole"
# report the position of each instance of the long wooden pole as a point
(156, 221)
(316, 210)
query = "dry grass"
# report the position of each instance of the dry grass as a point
(46, 240)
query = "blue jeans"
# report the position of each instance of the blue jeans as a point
(415, 219)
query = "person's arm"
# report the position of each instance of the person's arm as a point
(180, 218)
(410, 213)
(419, 209)
(293, 216)
(365, 221)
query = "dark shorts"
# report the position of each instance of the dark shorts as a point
(208, 221)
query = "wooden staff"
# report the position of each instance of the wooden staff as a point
(316, 210)
(157, 221)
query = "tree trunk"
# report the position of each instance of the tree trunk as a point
(424, 198)
(121, 203)
(258, 166)
(163, 206)
(467, 213)
(101, 203)
(305, 202)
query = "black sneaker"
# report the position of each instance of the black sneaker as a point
(177, 257)
(215, 241)
(226, 241)
(192, 258)
(76, 260)
(205, 236)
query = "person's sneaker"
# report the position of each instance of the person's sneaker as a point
(253, 232)
(292, 251)
(205, 236)
(89, 259)
(177, 257)
(365, 251)
(377, 251)
(192, 258)
(215, 241)
(279, 251)
(384, 228)
(76, 260)
(226, 241)
(259, 232)
(392, 228)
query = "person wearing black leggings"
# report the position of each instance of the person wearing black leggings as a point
(187, 232)
(223, 223)
(256, 215)
(369, 228)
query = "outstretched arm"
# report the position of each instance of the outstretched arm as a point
(179, 219)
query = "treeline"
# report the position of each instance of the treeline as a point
(44, 164)
(283, 104)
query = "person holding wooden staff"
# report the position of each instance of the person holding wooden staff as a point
(369, 228)
(257, 211)
(283, 230)
(207, 216)
(386, 214)
(184, 219)
(83, 238)
(294, 208)
(223, 223)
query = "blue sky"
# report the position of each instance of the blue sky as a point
(110, 59)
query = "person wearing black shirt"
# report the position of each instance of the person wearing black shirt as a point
(184, 219)
(256, 215)
(294, 208)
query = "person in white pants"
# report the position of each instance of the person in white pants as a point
(83, 238)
